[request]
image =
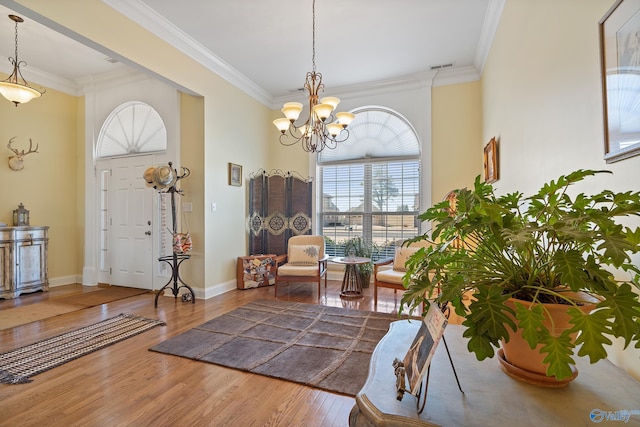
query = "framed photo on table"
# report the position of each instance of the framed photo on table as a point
(491, 161)
(620, 70)
(235, 175)
(418, 357)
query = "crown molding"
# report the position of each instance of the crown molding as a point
(111, 79)
(37, 77)
(146, 17)
(491, 21)
(150, 20)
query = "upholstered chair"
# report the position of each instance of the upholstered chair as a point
(389, 272)
(305, 261)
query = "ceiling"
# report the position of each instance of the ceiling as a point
(265, 46)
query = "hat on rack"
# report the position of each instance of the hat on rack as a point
(164, 177)
(148, 176)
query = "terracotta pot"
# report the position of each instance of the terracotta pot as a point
(522, 358)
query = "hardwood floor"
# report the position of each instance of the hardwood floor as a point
(127, 385)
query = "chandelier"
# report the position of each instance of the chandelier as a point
(15, 88)
(322, 128)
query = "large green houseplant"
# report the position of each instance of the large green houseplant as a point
(538, 249)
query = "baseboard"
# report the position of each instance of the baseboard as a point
(64, 280)
(209, 292)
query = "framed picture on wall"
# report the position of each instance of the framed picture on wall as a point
(491, 161)
(235, 175)
(620, 70)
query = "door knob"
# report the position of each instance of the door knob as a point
(148, 233)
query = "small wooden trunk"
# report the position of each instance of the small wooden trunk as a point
(255, 271)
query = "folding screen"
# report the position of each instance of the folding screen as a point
(279, 207)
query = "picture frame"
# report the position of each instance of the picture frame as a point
(235, 175)
(418, 358)
(620, 71)
(491, 161)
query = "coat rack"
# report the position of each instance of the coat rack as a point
(165, 180)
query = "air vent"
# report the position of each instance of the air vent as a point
(111, 60)
(441, 66)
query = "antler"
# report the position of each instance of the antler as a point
(22, 153)
(12, 149)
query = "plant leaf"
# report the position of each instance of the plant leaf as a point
(592, 327)
(531, 321)
(624, 306)
(559, 351)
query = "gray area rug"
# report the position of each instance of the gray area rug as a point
(324, 347)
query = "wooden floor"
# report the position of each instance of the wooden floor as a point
(127, 385)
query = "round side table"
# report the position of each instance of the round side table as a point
(351, 284)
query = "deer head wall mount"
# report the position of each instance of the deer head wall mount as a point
(16, 162)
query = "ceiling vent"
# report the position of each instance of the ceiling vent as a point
(441, 66)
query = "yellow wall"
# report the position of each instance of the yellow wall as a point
(237, 129)
(542, 98)
(456, 134)
(49, 183)
(192, 156)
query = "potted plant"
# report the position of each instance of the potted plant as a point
(548, 248)
(358, 247)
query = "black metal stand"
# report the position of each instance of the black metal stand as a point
(400, 372)
(425, 383)
(176, 259)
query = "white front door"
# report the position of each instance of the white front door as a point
(132, 226)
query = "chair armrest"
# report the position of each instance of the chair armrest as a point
(280, 259)
(380, 263)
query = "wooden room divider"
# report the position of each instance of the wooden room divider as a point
(279, 207)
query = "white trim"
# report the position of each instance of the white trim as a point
(66, 280)
(147, 18)
(215, 290)
(491, 21)
(161, 27)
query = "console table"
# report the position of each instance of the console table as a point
(490, 396)
(23, 260)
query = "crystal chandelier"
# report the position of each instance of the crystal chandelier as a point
(15, 88)
(322, 128)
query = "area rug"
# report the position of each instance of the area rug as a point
(19, 365)
(323, 347)
(23, 314)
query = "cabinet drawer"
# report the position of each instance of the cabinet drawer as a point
(6, 235)
(31, 234)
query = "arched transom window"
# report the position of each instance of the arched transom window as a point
(132, 128)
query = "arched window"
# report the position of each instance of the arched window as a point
(132, 128)
(370, 185)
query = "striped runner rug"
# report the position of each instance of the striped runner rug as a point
(19, 365)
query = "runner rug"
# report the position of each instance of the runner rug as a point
(19, 365)
(323, 347)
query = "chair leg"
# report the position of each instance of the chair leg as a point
(375, 294)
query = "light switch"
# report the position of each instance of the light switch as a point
(214, 207)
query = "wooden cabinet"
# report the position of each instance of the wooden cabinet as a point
(23, 260)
